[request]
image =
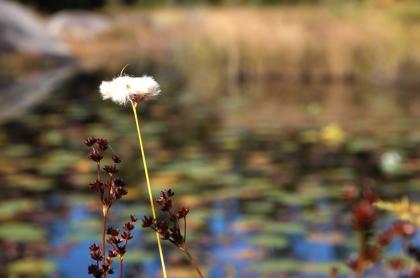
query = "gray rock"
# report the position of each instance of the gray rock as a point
(78, 25)
(22, 32)
(19, 95)
(24, 37)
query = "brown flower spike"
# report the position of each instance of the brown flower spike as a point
(110, 189)
(168, 227)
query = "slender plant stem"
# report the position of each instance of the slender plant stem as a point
(149, 189)
(121, 267)
(192, 261)
(362, 242)
(185, 229)
(98, 170)
(105, 214)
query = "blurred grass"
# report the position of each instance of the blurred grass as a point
(219, 47)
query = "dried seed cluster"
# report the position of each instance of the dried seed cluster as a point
(372, 247)
(119, 240)
(168, 227)
(110, 188)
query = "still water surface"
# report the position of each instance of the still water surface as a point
(262, 169)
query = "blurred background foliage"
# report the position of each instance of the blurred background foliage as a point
(53, 6)
(269, 109)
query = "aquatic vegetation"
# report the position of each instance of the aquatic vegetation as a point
(332, 134)
(180, 154)
(403, 209)
(169, 228)
(119, 240)
(373, 243)
(110, 189)
(135, 90)
(28, 266)
(21, 232)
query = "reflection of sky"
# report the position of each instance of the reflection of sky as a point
(73, 262)
(316, 252)
(223, 254)
(229, 242)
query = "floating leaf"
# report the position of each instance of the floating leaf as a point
(288, 228)
(11, 208)
(137, 256)
(17, 151)
(21, 232)
(276, 266)
(403, 209)
(30, 182)
(259, 207)
(58, 162)
(92, 225)
(30, 266)
(83, 236)
(272, 241)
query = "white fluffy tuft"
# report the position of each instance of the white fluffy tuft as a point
(121, 88)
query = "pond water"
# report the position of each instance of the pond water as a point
(261, 167)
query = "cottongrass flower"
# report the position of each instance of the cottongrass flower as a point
(134, 90)
(124, 89)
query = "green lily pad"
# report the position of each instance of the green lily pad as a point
(198, 217)
(259, 207)
(82, 236)
(52, 137)
(137, 210)
(17, 151)
(11, 208)
(30, 182)
(357, 145)
(318, 216)
(137, 256)
(257, 219)
(339, 174)
(272, 241)
(276, 266)
(289, 198)
(58, 162)
(325, 268)
(196, 169)
(92, 225)
(317, 192)
(29, 266)
(285, 228)
(20, 232)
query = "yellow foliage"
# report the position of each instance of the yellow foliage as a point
(403, 209)
(332, 134)
(387, 2)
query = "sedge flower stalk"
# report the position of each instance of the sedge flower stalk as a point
(134, 90)
(149, 188)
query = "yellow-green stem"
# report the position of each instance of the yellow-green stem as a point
(149, 188)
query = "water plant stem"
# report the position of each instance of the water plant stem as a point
(192, 261)
(362, 242)
(146, 172)
(185, 228)
(105, 210)
(121, 267)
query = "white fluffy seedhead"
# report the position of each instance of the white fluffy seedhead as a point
(125, 88)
